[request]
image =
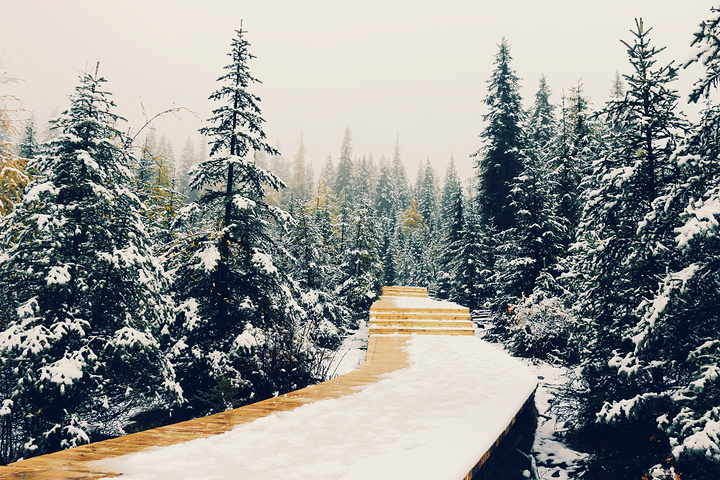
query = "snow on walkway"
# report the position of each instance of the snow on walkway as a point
(433, 420)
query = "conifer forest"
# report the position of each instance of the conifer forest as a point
(138, 288)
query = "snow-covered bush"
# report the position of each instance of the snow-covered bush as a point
(542, 328)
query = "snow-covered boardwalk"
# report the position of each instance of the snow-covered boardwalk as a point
(421, 407)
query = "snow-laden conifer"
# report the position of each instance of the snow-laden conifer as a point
(82, 294)
(237, 323)
(499, 161)
(672, 353)
(619, 267)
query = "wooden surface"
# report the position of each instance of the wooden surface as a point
(390, 317)
(385, 354)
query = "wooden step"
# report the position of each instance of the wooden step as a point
(422, 323)
(390, 309)
(420, 331)
(404, 292)
(421, 316)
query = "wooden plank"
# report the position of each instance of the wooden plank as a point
(384, 355)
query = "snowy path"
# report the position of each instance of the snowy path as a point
(421, 407)
(433, 420)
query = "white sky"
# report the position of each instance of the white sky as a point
(413, 68)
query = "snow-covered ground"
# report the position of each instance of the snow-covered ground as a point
(351, 353)
(432, 420)
(554, 459)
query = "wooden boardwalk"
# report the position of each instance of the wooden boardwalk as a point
(386, 352)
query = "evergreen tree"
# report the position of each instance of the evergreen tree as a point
(427, 196)
(473, 264)
(311, 268)
(451, 204)
(452, 208)
(360, 269)
(541, 122)
(672, 353)
(617, 266)
(500, 160)
(188, 159)
(82, 295)
(385, 200)
(534, 244)
(399, 179)
(569, 155)
(29, 147)
(301, 185)
(707, 53)
(236, 327)
(345, 174)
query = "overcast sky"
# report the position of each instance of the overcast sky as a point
(415, 68)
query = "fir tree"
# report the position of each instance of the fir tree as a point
(236, 327)
(427, 196)
(301, 185)
(385, 200)
(672, 353)
(29, 148)
(618, 267)
(399, 179)
(83, 296)
(541, 122)
(500, 160)
(452, 208)
(534, 244)
(473, 264)
(360, 269)
(345, 174)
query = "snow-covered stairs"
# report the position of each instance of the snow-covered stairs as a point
(409, 310)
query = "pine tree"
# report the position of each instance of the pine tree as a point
(313, 271)
(345, 174)
(236, 327)
(534, 244)
(385, 205)
(617, 266)
(673, 353)
(451, 204)
(29, 147)
(452, 213)
(399, 179)
(301, 185)
(427, 196)
(361, 266)
(188, 159)
(473, 264)
(500, 160)
(541, 122)
(82, 294)
(707, 46)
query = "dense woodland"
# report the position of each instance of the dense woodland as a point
(137, 288)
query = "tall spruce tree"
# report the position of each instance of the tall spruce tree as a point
(82, 294)
(236, 325)
(399, 179)
(541, 121)
(674, 354)
(499, 161)
(618, 266)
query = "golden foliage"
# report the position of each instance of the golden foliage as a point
(13, 177)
